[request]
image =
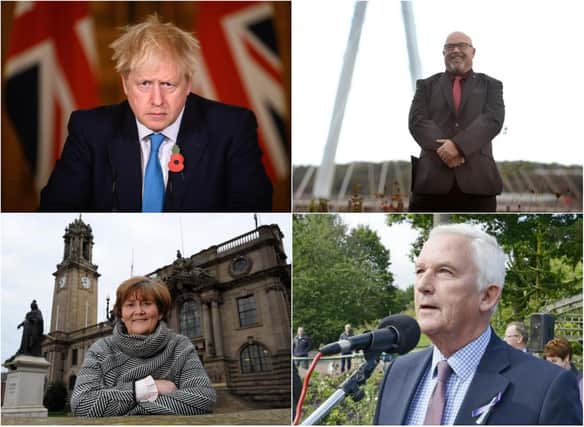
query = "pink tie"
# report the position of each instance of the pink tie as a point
(438, 398)
(456, 92)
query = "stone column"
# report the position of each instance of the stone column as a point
(207, 331)
(217, 327)
(279, 314)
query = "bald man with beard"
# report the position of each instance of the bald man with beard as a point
(454, 117)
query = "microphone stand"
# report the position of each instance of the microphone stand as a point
(349, 387)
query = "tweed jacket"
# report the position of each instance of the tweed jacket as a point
(105, 384)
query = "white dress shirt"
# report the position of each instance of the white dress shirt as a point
(146, 390)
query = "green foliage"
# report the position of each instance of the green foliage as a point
(321, 387)
(339, 277)
(55, 397)
(406, 299)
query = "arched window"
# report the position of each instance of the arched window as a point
(190, 319)
(255, 358)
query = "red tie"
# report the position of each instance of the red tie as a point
(456, 92)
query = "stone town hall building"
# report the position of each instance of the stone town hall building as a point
(232, 300)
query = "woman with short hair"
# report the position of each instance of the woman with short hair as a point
(559, 351)
(144, 368)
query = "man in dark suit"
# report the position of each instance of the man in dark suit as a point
(164, 149)
(516, 336)
(469, 375)
(454, 117)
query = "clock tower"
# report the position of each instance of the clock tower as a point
(75, 291)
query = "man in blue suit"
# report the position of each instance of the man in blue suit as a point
(469, 375)
(164, 149)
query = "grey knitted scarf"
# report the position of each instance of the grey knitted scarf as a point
(141, 345)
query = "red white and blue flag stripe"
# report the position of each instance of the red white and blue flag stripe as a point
(241, 65)
(49, 73)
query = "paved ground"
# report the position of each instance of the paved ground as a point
(254, 417)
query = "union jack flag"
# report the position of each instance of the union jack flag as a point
(49, 73)
(240, 65)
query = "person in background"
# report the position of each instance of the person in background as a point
(516, 336)
(301, 347)
(559, 351)
(346, 355)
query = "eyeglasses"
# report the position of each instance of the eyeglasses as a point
(449, 47)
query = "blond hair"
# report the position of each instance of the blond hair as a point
(143, 42)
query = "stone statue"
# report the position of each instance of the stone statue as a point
(32, 332)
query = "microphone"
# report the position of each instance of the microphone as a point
(395, 334)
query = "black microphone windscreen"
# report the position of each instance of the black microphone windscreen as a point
(407, 329)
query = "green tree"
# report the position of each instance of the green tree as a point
(339, 277)
(364, 246)
(55, 397)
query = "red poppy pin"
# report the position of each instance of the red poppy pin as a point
(177, 161)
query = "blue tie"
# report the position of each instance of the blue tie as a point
(153, 199)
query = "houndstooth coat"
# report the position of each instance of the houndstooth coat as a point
(105, 384)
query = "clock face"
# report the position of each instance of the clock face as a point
(61, 282)
(85, 282)
(239, 266)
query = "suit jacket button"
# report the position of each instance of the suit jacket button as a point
(456, 125)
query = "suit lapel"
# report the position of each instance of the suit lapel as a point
(400, 389)
(469, 86)
(446, 87)
(410, 384)
(192, 141)
(487, 382)
(126, 161)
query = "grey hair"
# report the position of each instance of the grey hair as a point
(521, 330)
(488, 256)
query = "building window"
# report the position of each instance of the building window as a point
(255, 358)
(74, 357)
(190, 319)
(246, 306)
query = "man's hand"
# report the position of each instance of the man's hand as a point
(449, 154)
(165, 386)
